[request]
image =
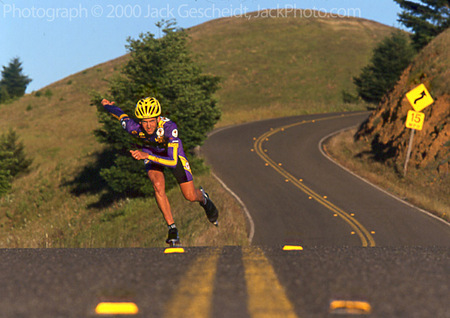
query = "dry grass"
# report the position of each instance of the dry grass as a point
(277, 110)
(418, 187)
(128, 222)
(265, 63)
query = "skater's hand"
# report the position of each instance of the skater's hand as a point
(107, 102)
(139, 155)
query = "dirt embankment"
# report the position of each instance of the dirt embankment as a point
(385, 129)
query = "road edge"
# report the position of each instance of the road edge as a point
(320, 146)
(251, 233)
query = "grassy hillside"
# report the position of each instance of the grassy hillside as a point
(270, 67)
(274, 67)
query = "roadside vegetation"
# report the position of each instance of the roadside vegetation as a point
(419, 188)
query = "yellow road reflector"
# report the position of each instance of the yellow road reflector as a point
(292, 248)
(351, 307)
(171, 250)
(116, 308)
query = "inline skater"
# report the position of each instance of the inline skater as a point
(163, 148)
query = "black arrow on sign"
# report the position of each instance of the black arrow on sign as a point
(423, 94)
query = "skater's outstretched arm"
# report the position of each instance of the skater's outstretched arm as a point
(127, 123)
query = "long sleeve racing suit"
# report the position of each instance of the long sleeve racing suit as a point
(164, 147)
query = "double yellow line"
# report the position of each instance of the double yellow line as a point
(364, 235)
(266, 296)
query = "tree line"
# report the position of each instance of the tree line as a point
(426, 19)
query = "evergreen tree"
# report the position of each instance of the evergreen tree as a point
(12, 159)
(12, 154)
(389, 60)
(165, 69)
(426, 18)
(13, 80)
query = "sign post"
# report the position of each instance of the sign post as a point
(408, 153)
(419, 98)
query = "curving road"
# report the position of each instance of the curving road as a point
(295, 194)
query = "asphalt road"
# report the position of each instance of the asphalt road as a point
(295, 194)
(226, 282)
(362, 253)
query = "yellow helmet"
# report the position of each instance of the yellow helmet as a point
(147, 108)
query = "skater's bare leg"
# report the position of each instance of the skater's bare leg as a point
(159, 184)
(190, 192)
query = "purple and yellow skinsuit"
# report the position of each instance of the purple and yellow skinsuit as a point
(164, 148)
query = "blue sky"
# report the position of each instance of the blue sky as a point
(55, 39)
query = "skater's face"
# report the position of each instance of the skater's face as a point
(149, 125)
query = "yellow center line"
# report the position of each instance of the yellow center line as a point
(364, 235)
(266, 296)
(193, 297)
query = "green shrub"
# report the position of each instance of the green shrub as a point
(13, 160)
(48, 93)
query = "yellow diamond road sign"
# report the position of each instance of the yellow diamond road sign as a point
(415, 120)
(419, 98)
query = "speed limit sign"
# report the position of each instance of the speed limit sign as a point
(415, 120)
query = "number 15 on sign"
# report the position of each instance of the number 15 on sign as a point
(415, 120)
